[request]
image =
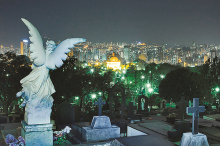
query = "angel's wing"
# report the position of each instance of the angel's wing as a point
(38, 54)
(55, 58)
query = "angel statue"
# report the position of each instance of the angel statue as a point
(37, 87)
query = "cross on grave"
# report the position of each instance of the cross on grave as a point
(182, 104)
(195, 110)
(100, 103)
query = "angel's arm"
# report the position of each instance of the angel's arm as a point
(36, 47)
(56, 58)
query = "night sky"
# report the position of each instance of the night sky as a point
(149, 21)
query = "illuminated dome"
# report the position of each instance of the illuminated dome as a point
(114, 62)
(114, 59)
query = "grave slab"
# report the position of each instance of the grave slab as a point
(213, 117)
(100, 129)
(157, 126)
(145, 140)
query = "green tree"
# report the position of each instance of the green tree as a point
(183, 82)
(12, 69)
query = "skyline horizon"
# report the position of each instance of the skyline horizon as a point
(161, 22)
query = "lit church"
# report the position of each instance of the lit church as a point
(114, 62)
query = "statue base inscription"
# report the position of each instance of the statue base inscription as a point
(40, 135)
(188, 139)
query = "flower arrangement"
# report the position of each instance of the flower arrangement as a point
(60, 136)
(12, 141)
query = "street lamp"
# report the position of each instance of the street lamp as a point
(150, 90)
(148, 85)
(93, 96)
(162, 76)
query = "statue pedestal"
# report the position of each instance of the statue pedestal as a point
(188, 139)
(39, 135)
(41, 118)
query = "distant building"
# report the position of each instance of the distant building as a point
(174, 59)
(126, 53)
(24, 50)
(113, 62)
(212, 54)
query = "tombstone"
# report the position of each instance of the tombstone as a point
(182, 106)
(100, 103)
(1, 107)
(77, 113)
(131, 109)
(163, 104)
(194, 138)
(110, 94)
(180, 126)
(64, 115)
(116, 104)
(100, 130)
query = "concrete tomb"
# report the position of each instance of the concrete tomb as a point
(194, 138)
(100, 129)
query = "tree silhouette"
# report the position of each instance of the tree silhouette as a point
(183, 82)
(12, 69)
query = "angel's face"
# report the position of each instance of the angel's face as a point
(50, 45)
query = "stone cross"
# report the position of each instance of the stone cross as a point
(195, 110)
(100, 103)
(182, 106)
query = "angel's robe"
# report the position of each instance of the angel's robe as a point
(38, 88)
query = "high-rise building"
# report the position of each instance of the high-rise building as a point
(24, 50)
(160, 54)
(205, 58)
(126, 53)
(212, 54)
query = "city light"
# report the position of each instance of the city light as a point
(123, 78)
(25, 41)
(217, 89)
(148, 85)
(142, 77)
(76, 97)
(92, 70)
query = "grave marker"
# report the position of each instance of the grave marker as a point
(100, 103)
(182, 104)
(195, 110)
(131, 109)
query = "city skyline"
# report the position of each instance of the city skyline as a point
(162, 22)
